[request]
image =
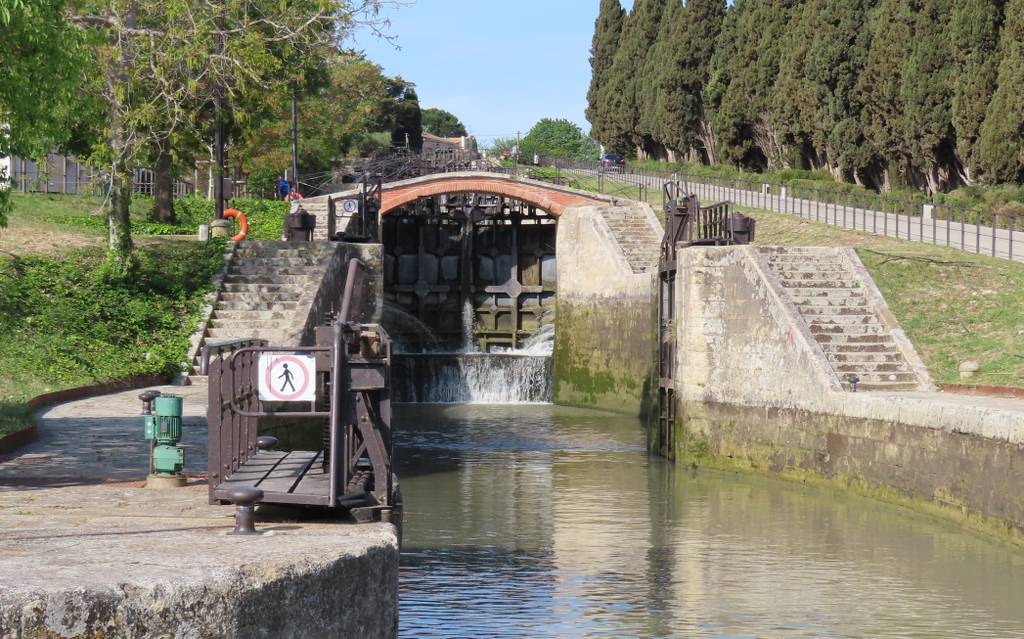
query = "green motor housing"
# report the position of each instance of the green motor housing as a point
(164, 428)
(167, 419)
(168, 460)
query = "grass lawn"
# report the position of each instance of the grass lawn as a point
(63, 323)
(954, 306)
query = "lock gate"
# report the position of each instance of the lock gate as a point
(686, 224)
(352, 468)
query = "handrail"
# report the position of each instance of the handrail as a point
(219, 348)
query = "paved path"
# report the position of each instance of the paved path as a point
(973, 238)
(100, 439)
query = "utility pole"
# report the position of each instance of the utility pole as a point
(218, 152)
(515, 170)
(220, 227)
(295, 141)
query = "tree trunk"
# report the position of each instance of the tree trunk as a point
(122, 261)
(163, 184)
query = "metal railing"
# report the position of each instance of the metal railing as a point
(992, 233)
(66, 175)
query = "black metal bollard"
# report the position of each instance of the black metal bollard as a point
(245, 499)
(266, 442)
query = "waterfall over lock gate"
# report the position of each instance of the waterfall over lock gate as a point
(522, 376)
(472, 378)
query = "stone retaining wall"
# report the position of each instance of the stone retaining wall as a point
(754, 391)
(604, 345)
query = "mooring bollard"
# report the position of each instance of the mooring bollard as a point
(244, 498)
(266, 442)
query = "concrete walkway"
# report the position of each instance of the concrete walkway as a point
(100, 439)
(85, 550)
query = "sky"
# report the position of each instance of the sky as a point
(499, 65)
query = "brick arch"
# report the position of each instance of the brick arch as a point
(554, 201)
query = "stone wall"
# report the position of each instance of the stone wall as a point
(755, 391)
(604, 346)
(327, 297)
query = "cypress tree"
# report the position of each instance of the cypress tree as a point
(815, 99)
(607, 30)
(657, 109)
(974, 33)
(837, 57)
(878, 89)
(623, 93)
(1001, 146)
(685, 46)
(719, 77)
(927, 100)
(796, 96)
(744, 121)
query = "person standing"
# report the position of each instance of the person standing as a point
(283, 187)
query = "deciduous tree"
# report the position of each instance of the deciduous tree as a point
(442, 123)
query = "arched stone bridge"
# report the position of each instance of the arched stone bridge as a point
(551, 198)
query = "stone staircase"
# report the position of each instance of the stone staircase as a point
(636, 234)
(267, 292)
(844, 318)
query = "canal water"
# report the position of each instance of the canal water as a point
(542, 521)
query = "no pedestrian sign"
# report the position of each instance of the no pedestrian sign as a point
(287, 378)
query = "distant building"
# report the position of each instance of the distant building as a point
(438, 148)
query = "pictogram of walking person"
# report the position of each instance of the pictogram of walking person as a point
(287, 375)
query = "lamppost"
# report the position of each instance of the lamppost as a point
(220, 227)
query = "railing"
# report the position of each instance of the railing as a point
(354, 467)
(992, 233)
(66, 175)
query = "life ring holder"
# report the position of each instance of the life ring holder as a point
(243, 223)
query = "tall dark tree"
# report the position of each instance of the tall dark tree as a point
(702, 22)
(974, 33)
(796, 95)
(744, 120)
(651, 100)
(408, 119)
(928, 102)
(837, 57)
(719, 78)
(623, 93)
(607, 30)
(879, 90)
(1001, 146)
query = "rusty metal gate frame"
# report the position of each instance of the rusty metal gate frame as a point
(356, 367)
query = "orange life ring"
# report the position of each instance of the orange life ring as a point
(243, 223)
(294, 195)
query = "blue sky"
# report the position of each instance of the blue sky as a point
(499, 65)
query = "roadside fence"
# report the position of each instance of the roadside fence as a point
(984, 232)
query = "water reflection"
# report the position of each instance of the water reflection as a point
(540, 521)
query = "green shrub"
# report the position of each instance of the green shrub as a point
(62, 323)
(266, 217)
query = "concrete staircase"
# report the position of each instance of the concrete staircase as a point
(267, 292)
(639, 238)
(843, 313)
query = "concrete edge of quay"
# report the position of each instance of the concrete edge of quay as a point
(118, 560)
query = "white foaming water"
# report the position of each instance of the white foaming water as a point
(472, 378)
(468, 340)
(540, 343)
